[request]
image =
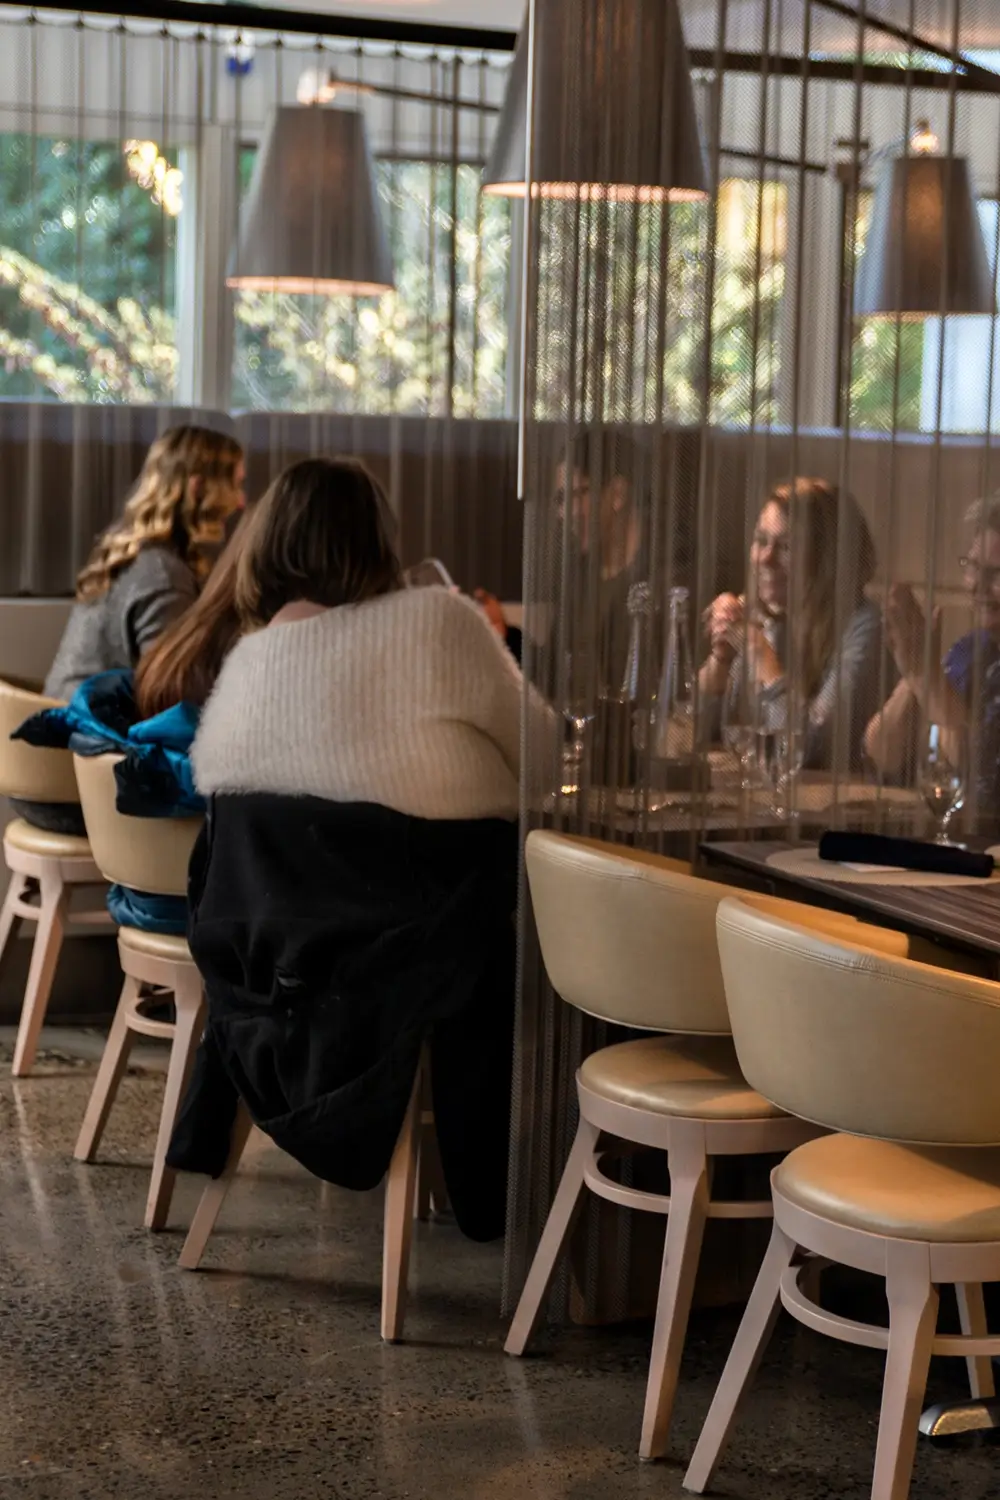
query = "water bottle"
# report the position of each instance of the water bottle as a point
(640, 611)
(620, 721)
(674, 712)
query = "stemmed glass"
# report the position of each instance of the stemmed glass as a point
(942, 776)
(781, 753)
(739, 735)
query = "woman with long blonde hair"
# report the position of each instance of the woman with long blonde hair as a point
(782, 641)
(148, 567)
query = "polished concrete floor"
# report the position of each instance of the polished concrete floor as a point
(263, 1377)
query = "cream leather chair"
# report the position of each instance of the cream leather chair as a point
(905, 1059)
(56, 861)
(151, 855)
(630, 938)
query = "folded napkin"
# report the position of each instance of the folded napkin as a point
(903, 854)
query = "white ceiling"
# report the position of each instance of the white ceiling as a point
(500, 14)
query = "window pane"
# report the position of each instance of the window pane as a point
(88, 234)
(396, 352)
(887, 375)
(895, 366)
(627, 282)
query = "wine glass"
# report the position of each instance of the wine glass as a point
(781, 754)
(739, 735)
(942, 776)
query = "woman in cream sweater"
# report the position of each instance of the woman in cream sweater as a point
(353, 890)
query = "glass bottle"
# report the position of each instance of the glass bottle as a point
(640, 610)
(675, 699)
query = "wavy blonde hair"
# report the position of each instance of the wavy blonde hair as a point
(181, 500)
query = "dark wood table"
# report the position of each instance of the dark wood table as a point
(964, 916)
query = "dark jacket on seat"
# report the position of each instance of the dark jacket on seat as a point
(334, 940)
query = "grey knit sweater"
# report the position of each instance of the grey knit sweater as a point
(114, 630)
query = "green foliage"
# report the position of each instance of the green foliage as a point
(887, 375)
(887, 358)
(86, 275)
(391, 354)
(624, 286)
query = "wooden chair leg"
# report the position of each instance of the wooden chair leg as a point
(114, 1061)
(432, 1194)
(214, 1195)
(10, 920)
(558, 1227)
(741, 1366)
(913, 1312)
(400, 1185)
(189, 1004)
(972, 1312)
(44, 957)
(689, 1195)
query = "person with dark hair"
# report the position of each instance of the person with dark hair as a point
(962, 687)
(779, 642)
(598, 550)
(353, 891)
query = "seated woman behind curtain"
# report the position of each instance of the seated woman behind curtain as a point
(145, 570)
(783, 647)
(947, 693)
(353, 891)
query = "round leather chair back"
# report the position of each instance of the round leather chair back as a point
(630, 936)
(860, 1040)
(36, 775)
(627, 936)
(145, 854)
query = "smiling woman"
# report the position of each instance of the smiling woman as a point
(803, 646)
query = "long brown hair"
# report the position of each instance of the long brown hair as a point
(182, 666)
(826, 527)
(323, 532)
(182, 500)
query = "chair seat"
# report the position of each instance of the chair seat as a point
(155, 944)
(941, 1196)
(695, 1077)
(38, 841)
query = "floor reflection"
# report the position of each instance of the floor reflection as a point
(263, 1376)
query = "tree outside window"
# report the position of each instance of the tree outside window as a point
(88, 235)
(398, 352)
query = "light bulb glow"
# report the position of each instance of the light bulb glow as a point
(923, 140)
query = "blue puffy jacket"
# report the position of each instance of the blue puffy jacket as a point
(153, 779)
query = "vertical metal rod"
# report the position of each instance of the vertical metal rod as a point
(453, 235)
(527, 312)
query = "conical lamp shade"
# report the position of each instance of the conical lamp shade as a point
(925, 253)
(613, 106)
(311, 221)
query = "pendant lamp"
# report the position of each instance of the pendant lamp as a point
(612, 106)
(311, 221)
(925, 253)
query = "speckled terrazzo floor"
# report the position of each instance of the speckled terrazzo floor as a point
(264, 1378)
